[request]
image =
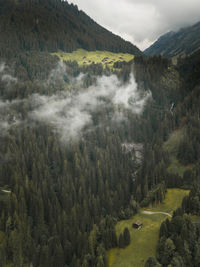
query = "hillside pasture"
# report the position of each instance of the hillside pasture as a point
(84, 57)
(143, 241)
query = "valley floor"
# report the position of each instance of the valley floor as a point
(144, 240)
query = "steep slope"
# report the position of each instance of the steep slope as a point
(184, 42)
(53, 25)
(182, 232)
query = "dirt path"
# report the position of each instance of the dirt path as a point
(6, 191)
(157, 212)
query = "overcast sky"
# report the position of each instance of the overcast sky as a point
(141, 21)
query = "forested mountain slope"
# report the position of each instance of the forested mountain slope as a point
(69, 135)
(65, 178)
(184, 42)
(51, 25)
(179, 241)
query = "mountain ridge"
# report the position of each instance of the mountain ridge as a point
(184, 42)
(53, 25)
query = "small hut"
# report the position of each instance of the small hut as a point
(137, 225)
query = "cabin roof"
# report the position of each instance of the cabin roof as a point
(137, 223)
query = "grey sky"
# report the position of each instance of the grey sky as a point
(141, 21)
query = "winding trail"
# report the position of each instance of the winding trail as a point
(6, 191)
(156, 212)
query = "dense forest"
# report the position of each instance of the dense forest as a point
(179, 238)
(60, 199)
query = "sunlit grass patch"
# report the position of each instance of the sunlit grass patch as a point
(143, 241)
(84, 57)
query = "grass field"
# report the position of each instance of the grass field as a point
(144, 240)
(84, 57)
(171, 145)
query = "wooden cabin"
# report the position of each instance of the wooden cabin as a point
(137, 225)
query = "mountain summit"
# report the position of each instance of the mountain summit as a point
(51, 25)
(184, 42)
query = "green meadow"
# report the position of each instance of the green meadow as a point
(143, 241)
(84, 57)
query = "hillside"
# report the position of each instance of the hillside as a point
(105, 58)
(184, 42)
(51, 25)
(88, 141)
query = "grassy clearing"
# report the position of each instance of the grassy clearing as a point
(171, 145)
(84, 57)
(144, 240)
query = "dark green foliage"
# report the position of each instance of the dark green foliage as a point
(51, 26)
(152, 262)
(124, 238)
(155, 195)
(164, 229)
(179, 238)
(60, 200)
(191, 204)
(127, 237)
(189, 71)
(66, 198)
(121, 241)
(178, 243)
(189, 148)
(174, 180)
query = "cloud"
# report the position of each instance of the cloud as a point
(57, 74)
(6, 76)
(9, 115)
(141, 21)
(70, 114)
(63, 113)
(2, 67)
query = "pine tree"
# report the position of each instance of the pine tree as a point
(121, 241)
(152, 262)
(100, 262)
(127, 237)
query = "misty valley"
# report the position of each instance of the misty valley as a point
(99, 143)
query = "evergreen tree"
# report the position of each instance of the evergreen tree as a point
(121, 241)
(127, 237)
(152, 262)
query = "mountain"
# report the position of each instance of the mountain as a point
(51, 25)
(184, 42)
(84, 146)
